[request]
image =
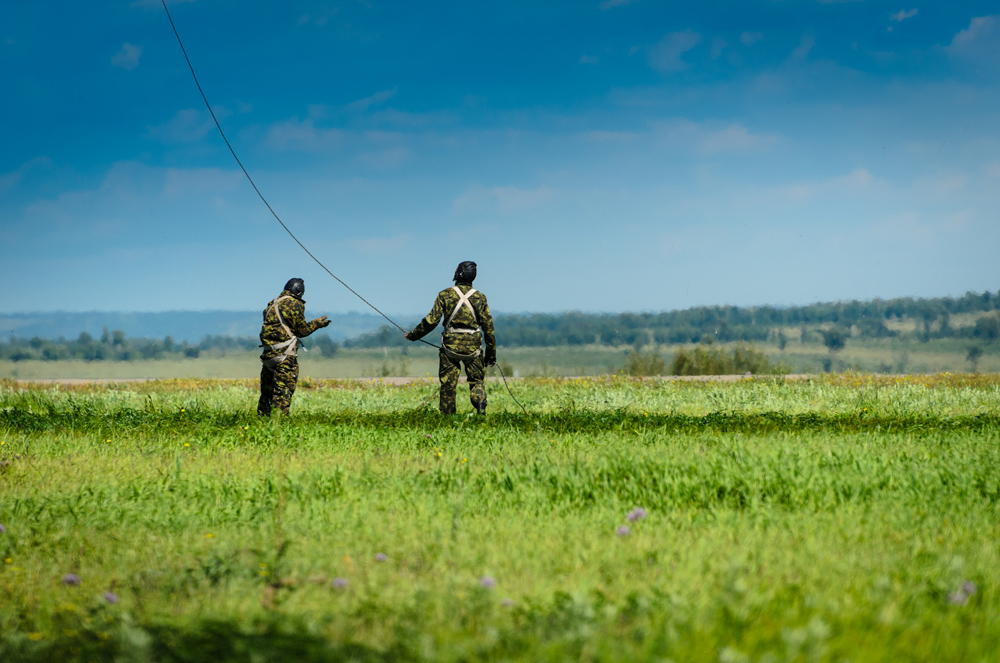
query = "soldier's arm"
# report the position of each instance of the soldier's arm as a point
(486, 324)
(429, 322)
(294, 314)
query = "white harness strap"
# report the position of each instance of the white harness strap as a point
(463, 300)
(291, 344)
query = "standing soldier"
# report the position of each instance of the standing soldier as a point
(468, 322)
(284, 323)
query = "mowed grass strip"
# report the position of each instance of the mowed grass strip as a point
(168, 523)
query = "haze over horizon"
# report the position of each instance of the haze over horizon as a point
(596, 156)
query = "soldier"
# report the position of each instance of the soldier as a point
(468, 322)
(284, 323)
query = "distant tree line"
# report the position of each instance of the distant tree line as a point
(732, 323)
(114, 346)
(831, 324)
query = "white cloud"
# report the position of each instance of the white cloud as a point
(979, 43)
(718, 45)
(665, 55)
(712, 138)
(303, 136)
(379, 97)
(186, 126)
(387, 158)
(805, 46)
(128, 57)
(942, 185)
(408, 119)
(200, 180)
(994, 169)
(501, 198)
(750, 38)
(611, 4)
(320, 19)
(851, 183)
(10, 180)
(902, 15)
(589, 59)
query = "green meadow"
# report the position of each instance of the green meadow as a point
(839, 518)
(877, 356)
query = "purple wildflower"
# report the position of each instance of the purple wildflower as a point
(969, 588)
(111, 597)
(958, 597)
(71, 579)
(507, 603)
(636, 514)
(3, 530)
(487, 582)
(339, 583)
(381, 557)
(623, 530)
(748, 374)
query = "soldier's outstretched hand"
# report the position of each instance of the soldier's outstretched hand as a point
(323, 321)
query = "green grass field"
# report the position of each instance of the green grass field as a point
(843, 518)
(865, 355)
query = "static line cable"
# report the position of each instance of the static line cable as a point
(508, 389)
(250, 179)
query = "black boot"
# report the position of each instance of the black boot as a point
(481, 408)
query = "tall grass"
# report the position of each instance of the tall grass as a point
(842, 518)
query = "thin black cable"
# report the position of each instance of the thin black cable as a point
(508, 388)
(250, 179)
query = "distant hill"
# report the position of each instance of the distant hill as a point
(190, 326)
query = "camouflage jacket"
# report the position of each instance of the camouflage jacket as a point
(459, 342)
(293, 312)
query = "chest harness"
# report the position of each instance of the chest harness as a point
(463, 300)
(290, 346)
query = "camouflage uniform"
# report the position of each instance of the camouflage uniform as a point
(277, 383)
(459, 347)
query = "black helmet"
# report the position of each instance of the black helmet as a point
(465, 272)
(296, 286)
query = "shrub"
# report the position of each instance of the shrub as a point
(640, 364)
(718, 361)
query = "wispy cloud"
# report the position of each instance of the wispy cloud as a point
(362, 105)
(979, 43)
(589, 59)
(713, 138)
(501, 198)
(805, 46)
(611, 4)
(128, 57)
(303, 136)
(750, 38)
(851, 183)
(186, 126)
(665, 55)
(185, 181)
(320, 18)
(10, 180)
(902, 15)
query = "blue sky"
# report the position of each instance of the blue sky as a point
(593, 155)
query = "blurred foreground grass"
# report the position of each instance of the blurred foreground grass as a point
(842, 518)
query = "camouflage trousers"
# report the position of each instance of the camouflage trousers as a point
(277, 387)
(449, 371)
